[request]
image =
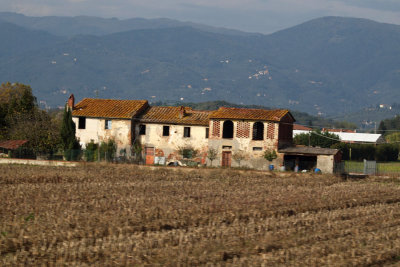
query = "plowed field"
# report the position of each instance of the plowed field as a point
(123, 215)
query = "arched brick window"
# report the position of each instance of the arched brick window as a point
(227, 129)
(258, 131)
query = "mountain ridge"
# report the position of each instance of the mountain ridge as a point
(328, 66)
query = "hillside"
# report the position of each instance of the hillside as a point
(83, 25)
(326, 66)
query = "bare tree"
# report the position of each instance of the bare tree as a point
(212, 154)
(238, 156)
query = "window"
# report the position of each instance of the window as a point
(207, 132)
(165, 131)
(258, 131)
(107, 125)
(257, 148)
(227, 129)
(186, 132)
(142, 129)
(82, 123)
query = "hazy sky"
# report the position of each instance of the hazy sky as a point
(250, 15)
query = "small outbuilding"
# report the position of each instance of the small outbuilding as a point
(11, 147)
(309, 158)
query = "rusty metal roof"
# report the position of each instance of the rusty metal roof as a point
(12, 144)
(172, 115)
(249, 114)
(109, 108)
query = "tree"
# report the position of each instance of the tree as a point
(393, 137)
(270, 155)
(238, 156)
(107, 150)
(69, 142)
(20, 118)
(212, 154)
(317, 138)
(137, 148)
(187, 152)
(43, 134)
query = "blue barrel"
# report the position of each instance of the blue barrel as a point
(271, 167)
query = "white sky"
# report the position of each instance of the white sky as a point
(249, 15)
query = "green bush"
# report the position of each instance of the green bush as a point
(91, 151)
(387, 152)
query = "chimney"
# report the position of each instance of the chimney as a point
(71, 102)
(182, 112)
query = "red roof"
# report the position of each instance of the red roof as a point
(12, 144)
(338, 130)
(249, 114)
(175, 115)
(301, 127)
(109, 108)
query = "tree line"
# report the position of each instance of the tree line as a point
(380, 152)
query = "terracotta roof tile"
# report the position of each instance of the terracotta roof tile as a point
(109, 108)
(12, 144)
(171, 115)
(301, 127)
(249, 114)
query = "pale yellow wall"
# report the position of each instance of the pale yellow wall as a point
(325, 163)
(170, 144)
(95, 130)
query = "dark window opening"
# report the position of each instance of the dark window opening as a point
(107, 125)
(227, 130)
(207, 132)
(165, 131)
(257, 148)
(226, 147)
(142, 129)
(258, 131)
(82, 123)
(186, 132)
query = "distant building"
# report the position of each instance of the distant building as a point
(164, 132)
(345, 135)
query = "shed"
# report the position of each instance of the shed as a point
(309, 158)
(11, 145)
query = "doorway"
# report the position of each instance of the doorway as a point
(149, 153)
(226, 158)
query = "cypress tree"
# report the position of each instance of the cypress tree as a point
(70, 144)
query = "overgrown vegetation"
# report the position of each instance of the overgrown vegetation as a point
(317, 138)
(122, 215)
(358, 152)
(21, 119)
(270, 155)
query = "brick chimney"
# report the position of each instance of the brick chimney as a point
(182, 112)
(71, 102)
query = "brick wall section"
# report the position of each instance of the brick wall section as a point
(243, 129)
(270, 130)
(216, 128)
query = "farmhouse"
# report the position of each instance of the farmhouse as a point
(100, 120)
(245, 134)
(168, 135)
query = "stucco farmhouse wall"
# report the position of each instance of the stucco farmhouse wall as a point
(95, 131)
(168, 146)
